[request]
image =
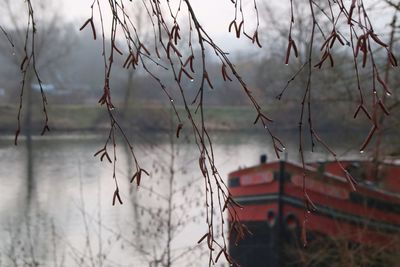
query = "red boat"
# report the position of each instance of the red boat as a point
(273, 199)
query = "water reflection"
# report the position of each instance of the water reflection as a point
(70, 220)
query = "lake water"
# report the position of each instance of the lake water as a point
(69, 219)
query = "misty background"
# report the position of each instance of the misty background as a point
(56, 197)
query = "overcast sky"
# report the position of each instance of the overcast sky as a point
(218, 15)
(214, 15)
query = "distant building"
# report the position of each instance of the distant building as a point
(46, 87)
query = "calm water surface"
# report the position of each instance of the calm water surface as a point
(69, 219)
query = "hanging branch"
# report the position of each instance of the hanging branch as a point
(28, 63)
(167, 40)
(165, 54)
(362, 39)
(7, 36)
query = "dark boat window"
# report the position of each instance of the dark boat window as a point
(234, 182)
(356, 171)
(371, 202)
(271, 218)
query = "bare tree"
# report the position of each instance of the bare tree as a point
(51, 45)
(174, 211)
(340, 23)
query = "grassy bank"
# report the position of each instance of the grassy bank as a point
(94, 117)
(67, 118)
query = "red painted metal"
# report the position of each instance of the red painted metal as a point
(370, 215)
